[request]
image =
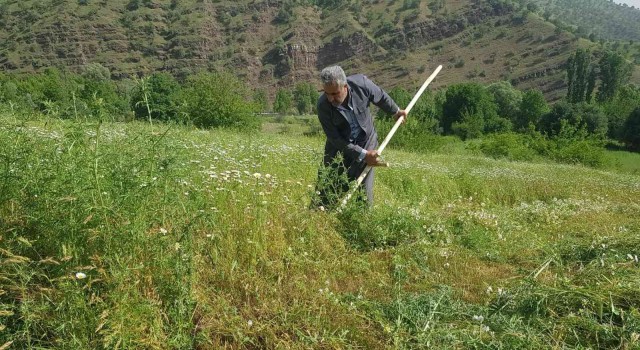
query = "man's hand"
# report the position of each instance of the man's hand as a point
(372, 158)
(401, 113)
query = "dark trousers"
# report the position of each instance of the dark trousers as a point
(333, 184)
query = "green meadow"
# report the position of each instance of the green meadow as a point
(139, 236)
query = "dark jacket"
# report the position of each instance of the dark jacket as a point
(362, 92)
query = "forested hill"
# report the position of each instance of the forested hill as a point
(274, 43)
(602, 19)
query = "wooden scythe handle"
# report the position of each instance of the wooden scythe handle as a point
(390, 135)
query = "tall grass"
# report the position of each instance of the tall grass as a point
(204, 239)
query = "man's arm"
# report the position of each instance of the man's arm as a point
(380, 98)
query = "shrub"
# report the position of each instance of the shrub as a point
(283, 101)
(585, 152)
(507, 98)
(414, 135)
(305, 96)
(511, 146)
(582, 117)
(469, 127)
(618, 110)
(532, 107)
(466, 109)
(99, 93)
(218, 100)
(158, 93)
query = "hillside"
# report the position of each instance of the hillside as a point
(132, 235)
(277, 42)
(604, 19)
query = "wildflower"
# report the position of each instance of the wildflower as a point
(163, 230)
(249, 323)
(257, 175)
(478, 318)
(80, 275)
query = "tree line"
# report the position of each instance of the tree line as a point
(205, 99)
(600, 105)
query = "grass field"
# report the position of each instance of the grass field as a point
(131, 236)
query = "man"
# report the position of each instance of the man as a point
(343, 111)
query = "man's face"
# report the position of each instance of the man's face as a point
(336, 94)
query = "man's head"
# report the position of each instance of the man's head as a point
(334, 84)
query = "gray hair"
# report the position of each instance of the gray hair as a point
(333, 75)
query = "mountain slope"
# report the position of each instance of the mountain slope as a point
(604, 19)
(272, 43)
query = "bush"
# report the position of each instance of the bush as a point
(283, 101)
(585, 152)
(532, 107)
(466, 109)
(305, 97)
(218, 100)
(510, 146)
(99, 95)
(508, 99)
(582, 117)
(414, 135)
(158, 93)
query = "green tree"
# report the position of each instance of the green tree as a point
(158, 94)
(470, 125)
(632, 130)
(260, 99)
(99, 94)
(283, 101)
(50, 91)
(532, 107)
(96, 72)
(470, 107)
(507, 99)
(285, 14)
(580, 77)
(305, 96)
(402, 99)
(219, 100)
(574, 121)
(619, 108)
(615, 72)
